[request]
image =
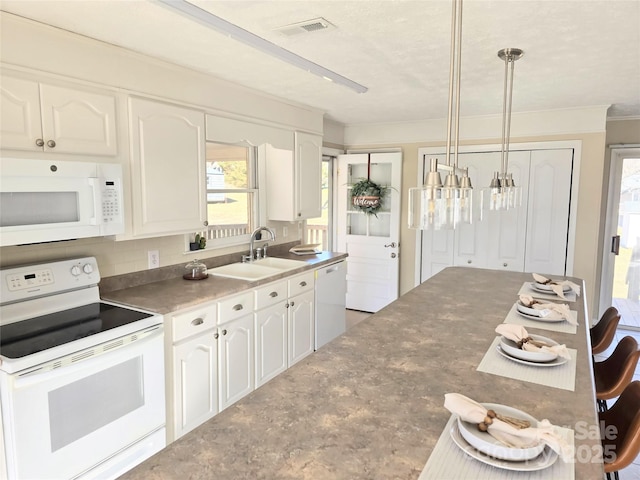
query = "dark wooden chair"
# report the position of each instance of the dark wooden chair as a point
(615, 373)
(621, 431)
(602, 333)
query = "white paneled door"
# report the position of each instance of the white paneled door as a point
(371, 240)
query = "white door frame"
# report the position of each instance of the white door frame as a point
(576, 145)
(617, 155)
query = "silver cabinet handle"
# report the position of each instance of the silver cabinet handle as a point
(286, 305)
(273, 294)
(39, 142)
(303, 284)
(197, 321)
(51, 143)
(216, 335)
(238, 307)
(504, 264)
(293, 303)
(224, 332)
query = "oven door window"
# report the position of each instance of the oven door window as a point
(84, 406)
(67, 420)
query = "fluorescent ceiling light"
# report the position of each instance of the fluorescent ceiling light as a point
(222, 26)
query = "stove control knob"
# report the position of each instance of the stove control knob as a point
(87, 268)
(75, 270)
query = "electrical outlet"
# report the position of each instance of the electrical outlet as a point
(154, 258)
(285, 232)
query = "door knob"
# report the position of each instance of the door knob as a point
(392, 245)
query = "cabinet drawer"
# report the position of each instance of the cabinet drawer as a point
(301, 283)
(193, 322)
(271, 294)
(235, 307)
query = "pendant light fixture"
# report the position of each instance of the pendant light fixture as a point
(503, 193)
(436, 205)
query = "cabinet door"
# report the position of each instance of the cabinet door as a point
(548, 211)
(78, 121)
(301, 326)
(271, 342)
(236, 360)
(308, 175)
(168, 177)
(195, 367)
(20, 125)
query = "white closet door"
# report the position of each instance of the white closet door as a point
(548, 211)
(470, 242)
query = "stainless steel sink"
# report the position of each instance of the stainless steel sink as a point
(256, 270)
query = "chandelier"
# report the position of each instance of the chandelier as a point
(436, 205)
(503, 194)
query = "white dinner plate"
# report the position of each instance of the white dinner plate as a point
(548, 319)
(548, 292)
(511, 348)
(549, 288)
(547, 458)
(554, 363)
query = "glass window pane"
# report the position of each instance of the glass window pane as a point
(231, 194)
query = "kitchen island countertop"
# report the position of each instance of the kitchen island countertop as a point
(369, 405)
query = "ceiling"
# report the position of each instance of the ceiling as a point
(577, 52)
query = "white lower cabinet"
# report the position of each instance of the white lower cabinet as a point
(221, 351)
(192, 367)
(271, 331)
(236, 360)
(195, 382)
(301, 326)
(301, 316)
(236, 348)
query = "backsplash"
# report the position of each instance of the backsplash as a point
(125, 257)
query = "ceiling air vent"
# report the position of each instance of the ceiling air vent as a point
(307, 26)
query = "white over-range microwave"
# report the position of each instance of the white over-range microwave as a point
(50, 200)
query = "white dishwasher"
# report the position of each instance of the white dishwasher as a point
(331, 291)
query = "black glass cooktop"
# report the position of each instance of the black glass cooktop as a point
(26, 337)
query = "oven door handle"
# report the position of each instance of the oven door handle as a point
(47, 372)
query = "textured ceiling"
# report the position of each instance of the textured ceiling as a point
(577, 52)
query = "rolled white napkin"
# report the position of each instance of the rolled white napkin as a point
(547, 309)
(516, 333)
(557, 285)
(473, 412)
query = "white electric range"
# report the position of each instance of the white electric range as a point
(81, 380)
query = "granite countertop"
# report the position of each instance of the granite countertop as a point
(174, 294)
(369, 405)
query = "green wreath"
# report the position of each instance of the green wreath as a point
(367, 196)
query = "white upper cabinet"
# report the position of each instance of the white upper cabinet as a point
(168, 162)
(294, 182)
(40, 117)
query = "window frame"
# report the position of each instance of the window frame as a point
(252, 190)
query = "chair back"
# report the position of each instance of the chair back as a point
(615, 373)
(621, 429)
(602, 333)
